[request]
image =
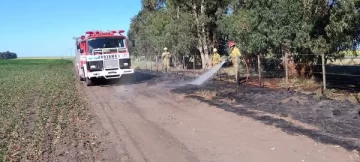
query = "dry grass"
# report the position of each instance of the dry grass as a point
(302, 85)
(207, 94)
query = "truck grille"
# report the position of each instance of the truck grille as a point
(111, 64)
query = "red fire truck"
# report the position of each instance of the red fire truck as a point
(102, 54)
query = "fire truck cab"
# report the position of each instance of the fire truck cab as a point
(102, 55)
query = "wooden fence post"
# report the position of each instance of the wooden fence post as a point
(146, 62)
(194, 65)
(157, 64)
(259, 69)
(323, 71)
(286, 70)
(184, 62)
(151, 63)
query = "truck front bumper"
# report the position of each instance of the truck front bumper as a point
(110, 74)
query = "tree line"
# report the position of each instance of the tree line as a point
(270, 28)
(7, 55)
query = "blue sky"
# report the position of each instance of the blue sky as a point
(46, 27)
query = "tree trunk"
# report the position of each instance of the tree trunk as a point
(291, 65)
(205, 62)
(304, 70)
(292, 72)
(199, 36)
(178, 12)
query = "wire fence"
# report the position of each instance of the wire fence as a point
(184, 64)
(331, 71)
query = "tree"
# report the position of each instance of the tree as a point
(183, 26)
(7, 55)
(291, 27)
(269, 28)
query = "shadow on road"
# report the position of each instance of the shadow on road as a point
(285, 125)
(137, 78)
(337, 123)
(331, 122)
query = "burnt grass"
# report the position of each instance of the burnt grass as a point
(337, 122)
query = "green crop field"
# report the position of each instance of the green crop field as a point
(51, 58)
(39, 105)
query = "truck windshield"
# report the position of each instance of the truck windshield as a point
(106, 43)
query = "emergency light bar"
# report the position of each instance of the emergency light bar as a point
(105, 33)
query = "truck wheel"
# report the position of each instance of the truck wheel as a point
(89, 82)
(81, 78)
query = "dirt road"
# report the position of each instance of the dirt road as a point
(143, 121)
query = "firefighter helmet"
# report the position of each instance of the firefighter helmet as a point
(231, 43)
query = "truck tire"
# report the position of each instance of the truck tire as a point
(88, 82)
(80, 77)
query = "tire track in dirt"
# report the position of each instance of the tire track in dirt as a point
(189, 124)
(147, 123)
(101, 108)
(213, 133)
(132, 145)
(141, 137)
(158, 136)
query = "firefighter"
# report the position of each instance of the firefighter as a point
(216, 57)
(235, 59)
(166, 59)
